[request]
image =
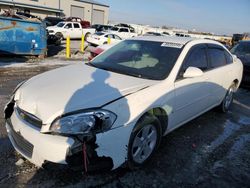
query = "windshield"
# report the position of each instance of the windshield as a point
(60, 24)
(242, 48)
(114, 29)
(143, 59)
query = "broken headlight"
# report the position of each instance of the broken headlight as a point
(84, 123)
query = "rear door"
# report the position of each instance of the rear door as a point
(219, 73)
(77, 30)
(191, 94)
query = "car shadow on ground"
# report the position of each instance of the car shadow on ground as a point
(10, 59)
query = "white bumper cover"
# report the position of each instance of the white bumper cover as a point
(45, 147)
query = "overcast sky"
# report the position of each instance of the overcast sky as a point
(217, 16)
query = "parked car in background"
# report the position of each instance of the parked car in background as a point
(28, 15)
(182, 35)
(152, 34)
(84, 24)
(238, 37)
(52, 21)
(116, 109)
(123, 32)
(165, 33)
(102, 28)
(126, 25)
(72, 29)
(98, 50)
(101, 38)
(242, 51)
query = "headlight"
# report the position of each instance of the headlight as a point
(84, 123)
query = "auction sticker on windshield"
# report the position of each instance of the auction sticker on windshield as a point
(171, 44)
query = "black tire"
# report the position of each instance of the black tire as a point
(59, 35)
(86, 36)
(228, 99)
(140, 126)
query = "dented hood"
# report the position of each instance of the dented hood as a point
(72, 88)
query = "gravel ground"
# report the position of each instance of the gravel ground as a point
(210, 151)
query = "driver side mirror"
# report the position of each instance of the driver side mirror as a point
(192, 72)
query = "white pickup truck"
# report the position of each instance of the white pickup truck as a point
(123, 32)
(72, 29)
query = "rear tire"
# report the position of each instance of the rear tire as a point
(86, 36)
(59, 35)
(228, 99)
(144, 141)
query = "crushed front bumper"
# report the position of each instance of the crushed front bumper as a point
(105, 151)
(34, 146)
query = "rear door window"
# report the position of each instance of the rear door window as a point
(76, 25)
(217, 57)
(229, 58)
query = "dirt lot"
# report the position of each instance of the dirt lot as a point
(211, 151)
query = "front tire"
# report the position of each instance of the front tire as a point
(144, 140)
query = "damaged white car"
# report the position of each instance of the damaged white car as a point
(115, 110)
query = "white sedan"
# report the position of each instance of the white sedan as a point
(101, 38)
(116, 109)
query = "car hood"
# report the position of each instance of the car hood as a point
(53, 27)
(73, 88)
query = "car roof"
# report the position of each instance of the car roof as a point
(174, 39)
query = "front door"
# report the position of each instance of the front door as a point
(191, 94)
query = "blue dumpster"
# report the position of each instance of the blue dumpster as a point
(22, 37)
